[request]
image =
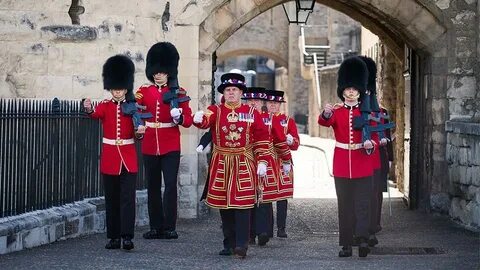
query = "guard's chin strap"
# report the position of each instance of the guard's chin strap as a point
(119, 99)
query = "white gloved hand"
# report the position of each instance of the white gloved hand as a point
(198, 117)
(289, 139)
(383, 141)
(199, 149)
(141, 129)
(175, 113)
(261, 169)
(287, 167)
(389, 165)
(368, 144)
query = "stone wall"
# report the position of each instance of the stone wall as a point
(42, 55)
(60, 223)
(463, 157)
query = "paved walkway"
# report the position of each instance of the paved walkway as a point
(409, 240)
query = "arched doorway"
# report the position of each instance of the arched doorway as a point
(412, 30)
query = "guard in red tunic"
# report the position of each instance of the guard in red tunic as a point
(118, 161)
(375, 201)
(262, 218)
(240, 147)
(288, 127)
(352, 164)
(161, 142)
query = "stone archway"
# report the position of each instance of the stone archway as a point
(420, 25)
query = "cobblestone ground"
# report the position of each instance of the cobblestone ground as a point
(409, 239)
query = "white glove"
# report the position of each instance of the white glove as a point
(289, 139)
(141, 129)
(368, 144)
(198, 117)
(383, 141)
(389, 165)
(175, 113)
(261, 169)
(287, 167)
(199, 149)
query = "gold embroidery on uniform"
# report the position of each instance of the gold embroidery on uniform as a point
(233, 127)
(232, 117)
(233, 136)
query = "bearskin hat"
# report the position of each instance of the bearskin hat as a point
(353, 72)
(372, 82)
(118, 73)
(162, 57)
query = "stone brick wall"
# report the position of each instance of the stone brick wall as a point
(60, 223)
(463, 157)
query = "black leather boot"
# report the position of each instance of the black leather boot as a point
(345, 252)
(113, 244)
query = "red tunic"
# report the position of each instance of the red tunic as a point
(116, 127)
(237, 131)
(273, 189)
(160, 141)
(347, 163)
(287, 126)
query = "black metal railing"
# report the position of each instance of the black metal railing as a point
(49, 155)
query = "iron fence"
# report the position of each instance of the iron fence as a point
(49, 155)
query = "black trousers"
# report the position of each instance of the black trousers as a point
(162, 213)
(282, 214)
(120, 204)
(261, 219)
(236, 227)
(353, 197)
(376, 201)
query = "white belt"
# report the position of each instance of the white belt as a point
(349, 146)
(159, 125)
(118, 142)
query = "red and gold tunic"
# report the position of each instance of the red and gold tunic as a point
(233, 174)
(161, 135)
(287, 126)
(118, 146)
(350, 159)
(273, 189)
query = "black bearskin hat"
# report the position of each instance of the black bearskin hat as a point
(353, 72)
(372, 82)
(162, 57)
(118, 73)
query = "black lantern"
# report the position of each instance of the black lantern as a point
(295, 13)
(306, 5)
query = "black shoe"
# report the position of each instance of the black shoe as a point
(226, 252)
(281, 233)
(363, 249)
(372, 240)
(113, 244)
(127, 243)
(263, 239)
(171, 235)
(252, 241)
(154, 234)
(345, 252)
(240, 252)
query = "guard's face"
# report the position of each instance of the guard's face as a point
(273, 106)
(351, 94)
(232, 94)
(255, 103)
(118, 94)
(160, 78)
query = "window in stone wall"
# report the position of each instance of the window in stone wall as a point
(75, 10)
